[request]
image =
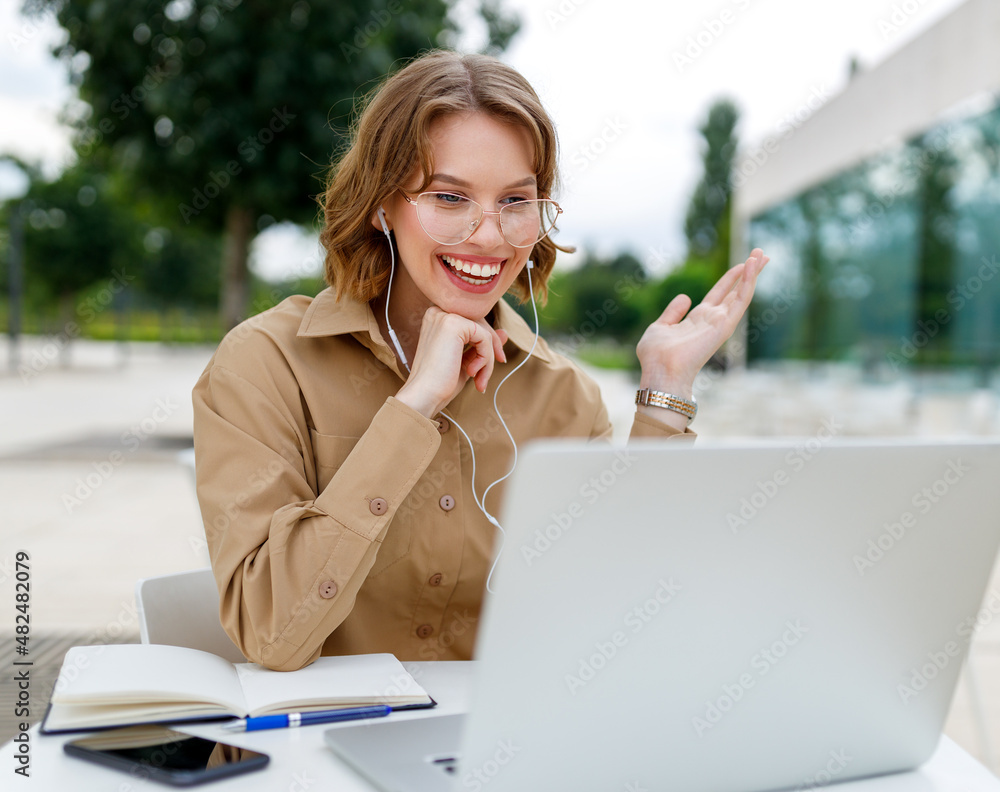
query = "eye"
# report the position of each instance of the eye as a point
(449, 199)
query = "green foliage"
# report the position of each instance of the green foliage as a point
(87, 229)
(695, 278)
(225, 114)
(220, 102)
(598, 299)
(501, 26)
(179, 267)
(937, 225)
(707, 225)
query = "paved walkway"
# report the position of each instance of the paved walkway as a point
(95, 488)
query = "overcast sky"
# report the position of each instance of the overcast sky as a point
(627, 82)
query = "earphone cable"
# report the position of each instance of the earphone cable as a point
(480, 502)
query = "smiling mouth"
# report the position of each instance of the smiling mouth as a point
(474, 274)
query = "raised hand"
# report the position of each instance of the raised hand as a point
(674, 348)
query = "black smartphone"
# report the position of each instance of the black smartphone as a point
(159, 753)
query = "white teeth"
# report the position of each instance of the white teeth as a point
(484, 272)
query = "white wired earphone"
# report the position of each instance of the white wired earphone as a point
(480, 502)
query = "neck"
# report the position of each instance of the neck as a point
(405, 321)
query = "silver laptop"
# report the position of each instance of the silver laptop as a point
(726, 618)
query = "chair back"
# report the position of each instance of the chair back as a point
(183, 610)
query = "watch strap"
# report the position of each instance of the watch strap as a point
(668, 401)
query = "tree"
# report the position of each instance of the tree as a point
(936, 230)
(599, 299)
(228, 112)
(707, 225)
(74, 236)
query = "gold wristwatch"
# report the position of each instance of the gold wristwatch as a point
(653, 398)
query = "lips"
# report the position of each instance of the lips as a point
(475, 273)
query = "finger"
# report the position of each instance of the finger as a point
(724, 285)
(499, 339)
(482, 359)
(676, 310)
(754, 265)
(472, 362)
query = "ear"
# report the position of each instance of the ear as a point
(380, 221)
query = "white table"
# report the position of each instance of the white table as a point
(300, 760)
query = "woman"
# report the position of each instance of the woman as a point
(336, 437)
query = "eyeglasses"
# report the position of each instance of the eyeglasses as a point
(450, 219)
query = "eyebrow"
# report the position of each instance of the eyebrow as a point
(528, 182)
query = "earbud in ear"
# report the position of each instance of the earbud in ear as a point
(381, 219)
(531, 264)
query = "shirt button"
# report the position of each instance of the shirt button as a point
(447, 502)
(435, 579)
(443, 425)
(425, 631)
(378, 506)
(327, 589)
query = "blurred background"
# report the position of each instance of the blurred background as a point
(159, 163)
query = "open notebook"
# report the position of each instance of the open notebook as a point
(126, 684)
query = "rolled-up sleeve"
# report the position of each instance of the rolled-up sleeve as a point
(288, 559)
(646, 428)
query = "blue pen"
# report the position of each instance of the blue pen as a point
(294, 719)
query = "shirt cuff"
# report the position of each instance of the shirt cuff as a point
(644, 426)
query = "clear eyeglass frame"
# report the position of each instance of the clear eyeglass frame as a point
(548, 213)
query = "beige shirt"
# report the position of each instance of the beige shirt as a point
(341, 521)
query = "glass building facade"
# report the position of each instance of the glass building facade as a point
(893, 263)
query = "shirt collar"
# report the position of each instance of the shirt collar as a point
(328, 316)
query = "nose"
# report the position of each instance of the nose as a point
(488, 233)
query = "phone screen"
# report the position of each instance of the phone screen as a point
(162, 754)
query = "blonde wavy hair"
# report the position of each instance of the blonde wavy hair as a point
(391, 135)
